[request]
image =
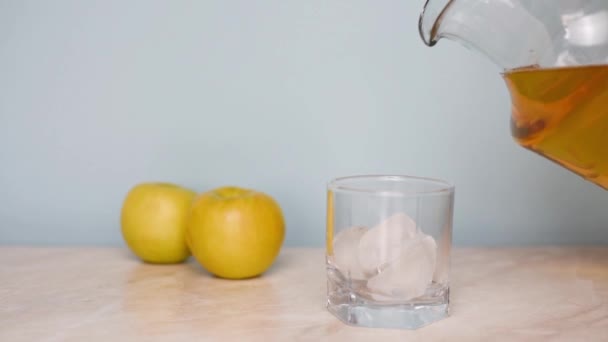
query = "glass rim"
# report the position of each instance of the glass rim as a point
(444, 187)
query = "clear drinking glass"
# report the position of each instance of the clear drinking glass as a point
(388, 250)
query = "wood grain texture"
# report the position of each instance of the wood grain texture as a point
(104, 294)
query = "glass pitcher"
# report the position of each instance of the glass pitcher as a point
(554, 55)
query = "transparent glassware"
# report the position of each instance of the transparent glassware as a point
(388, 250)
(522, 33)
(554, 58)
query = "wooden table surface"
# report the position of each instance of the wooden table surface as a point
(104, 294)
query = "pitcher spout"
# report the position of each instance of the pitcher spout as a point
(512, 33)
(430, 19)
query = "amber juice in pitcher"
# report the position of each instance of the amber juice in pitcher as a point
(562, 114)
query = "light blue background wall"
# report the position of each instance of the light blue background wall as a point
(276, 95)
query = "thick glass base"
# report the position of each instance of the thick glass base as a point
(353, 304)
(389, 316)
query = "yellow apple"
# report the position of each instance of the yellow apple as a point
(235, 233)
(153, 222)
